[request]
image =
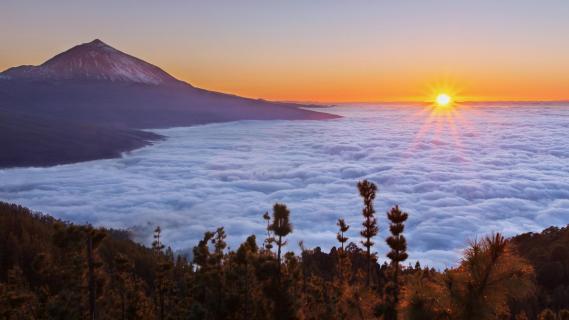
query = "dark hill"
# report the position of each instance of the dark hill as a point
(94, 87)
(548, 252)
(39, 141)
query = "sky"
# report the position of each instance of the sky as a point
(326, 51)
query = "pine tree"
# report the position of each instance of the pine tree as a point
(398, 254)
(219, 246)
(268, 243)
(218, 260)
(94, 238)
(281, 227)
(202, 261)
(246, 255)
(157, 245)
(16, 301)
(491, 275)
(367, 192)
(522, 316)
(547, 314)
(121, 277)
(161, 273)
(343, 229)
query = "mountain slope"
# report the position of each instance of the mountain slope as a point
(39, 141)
(95, 61)
(94, 85)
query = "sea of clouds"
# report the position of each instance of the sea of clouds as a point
(459, 175)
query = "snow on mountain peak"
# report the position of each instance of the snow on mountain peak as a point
(94, 60)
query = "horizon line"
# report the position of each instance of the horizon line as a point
(481, 101)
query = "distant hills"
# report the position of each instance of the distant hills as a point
(90, 101)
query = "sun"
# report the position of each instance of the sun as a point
(443, 100)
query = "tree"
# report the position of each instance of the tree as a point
(281, 227)
(94, 238)
(547, 314)
(268, 243)
(425, 297)
(164, 265)
(157, 245)
(219, 245)
(367, 192)
(343, 229)
(16, 301)
(398, 254)
(246, 255)
(490, 275)
(218, 260)
(342, 263)
(522, 316)
(202, 285)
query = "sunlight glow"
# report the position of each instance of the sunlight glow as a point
(443, 100)
(442, 117)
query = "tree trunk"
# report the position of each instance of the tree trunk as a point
(246, 287)
(279, 255)
(396, 290)
(91, 278)
(123, 305)
(161, 303)
(368, 280)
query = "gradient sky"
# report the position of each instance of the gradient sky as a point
(316, 50)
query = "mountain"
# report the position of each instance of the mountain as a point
(95, 87)
(28, 140)
(93, 61)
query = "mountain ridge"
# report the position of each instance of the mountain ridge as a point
(93, 89)
(93, 60)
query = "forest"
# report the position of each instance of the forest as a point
(51, 269)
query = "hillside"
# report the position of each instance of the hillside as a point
(41, 141)
(548, 252)
(94, 85)
(45, 274)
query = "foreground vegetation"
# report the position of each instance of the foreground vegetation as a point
(55, 270)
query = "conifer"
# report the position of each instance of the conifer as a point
(281, 227)
(547, 314)
(398, 254)
(367, 192)
(343, 228)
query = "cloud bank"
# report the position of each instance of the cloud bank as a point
(459, 176)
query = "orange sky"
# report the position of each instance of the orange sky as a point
(328, 51)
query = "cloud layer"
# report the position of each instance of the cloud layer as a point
(460, 175)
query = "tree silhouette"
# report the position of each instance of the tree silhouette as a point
(94, 238)
(367, 192)
(490, 276)
(281, 227)
(218, 261)
(269, 239)
(56, 270)
(521, 316)
(398, 254)
(547, 314)
(343, 229)
(164, 265)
